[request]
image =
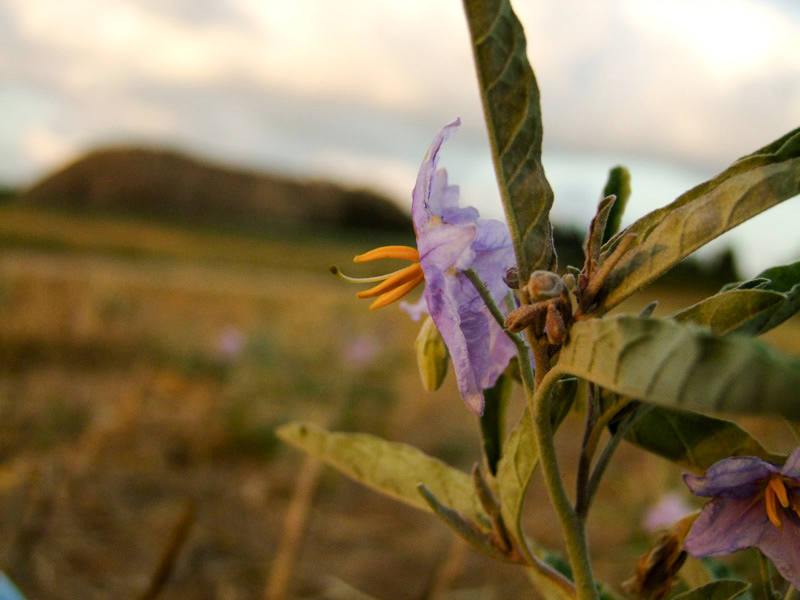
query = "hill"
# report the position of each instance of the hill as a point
(173, 185)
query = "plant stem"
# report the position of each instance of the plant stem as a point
(571, 524)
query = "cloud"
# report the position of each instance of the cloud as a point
(287, 83)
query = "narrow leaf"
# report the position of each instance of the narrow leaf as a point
(619, 185)
(667, 235)
(477, 537)
(492, 422)
(390, 468)
(722, 589)
(510, 99)
(751, 307)
(742, 311)
(692, 440)
(663, 362)
(786, 280)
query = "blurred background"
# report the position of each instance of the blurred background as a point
(175, 178)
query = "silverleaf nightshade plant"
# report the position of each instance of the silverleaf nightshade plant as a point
(511, 319)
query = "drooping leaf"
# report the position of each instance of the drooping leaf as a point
(692, 440)
(510, 99)
(664, 362)
(618, 184)
(722, 589)
(667, 235)
(390, 468)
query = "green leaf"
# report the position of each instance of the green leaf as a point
(492, 422)
(521, 456)
(510, 98)
(784, 279)
(751, 307)
(666, 236)
(478, 538)
(618, 184)
(722, 589)
(742, 311)
(692, 440)
(390, 468)
(663, 362)
(514, 472)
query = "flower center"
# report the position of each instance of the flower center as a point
(393, 285)
(776, 494)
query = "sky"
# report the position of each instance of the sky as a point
(354, 90)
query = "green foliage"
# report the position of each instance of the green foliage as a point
(663, 362)
(651, 381)
(514, 471)
(393, 469)
(690, 439)
(752, 307)
(510, 98)
(667, 235)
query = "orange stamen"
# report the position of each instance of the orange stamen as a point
(771, 503)
(398, 292)
(396, 280)
(401, 252)
(777, 486)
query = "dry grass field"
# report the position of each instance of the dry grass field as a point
(143, 368)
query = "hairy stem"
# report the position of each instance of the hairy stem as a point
(571, 524)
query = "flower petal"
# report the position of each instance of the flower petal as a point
(782, 547)
(791, 468)
(735, 477)
(427, 181)
(725, 526)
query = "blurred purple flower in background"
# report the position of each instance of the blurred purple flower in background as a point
(672, 507)
(230, 344)
(361, 351)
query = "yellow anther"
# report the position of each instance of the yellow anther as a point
(776, 485)
(397, 279)
(401, 252)
(398, 292)
(393, 285)
(771, 503)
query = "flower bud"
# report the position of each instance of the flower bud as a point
(432, 356)
(544, 285)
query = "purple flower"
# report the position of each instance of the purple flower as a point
(754, 503)
(450, 240)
